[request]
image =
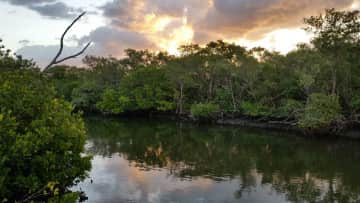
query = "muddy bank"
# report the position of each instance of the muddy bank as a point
(351, 130)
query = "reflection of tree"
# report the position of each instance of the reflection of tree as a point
(302, 169)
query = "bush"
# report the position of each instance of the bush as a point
(355, 103)
(112, 102)
(149, 89)
(224, 99)
(255, 109)
(320, 111)
(289, 108)
(41, 139)
(204, 110)
(86, 95)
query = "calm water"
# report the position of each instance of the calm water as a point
(156, 161)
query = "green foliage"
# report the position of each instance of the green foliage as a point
(86, 95)
(289, 108)
(320, 111)
(355, 103)
(255, 109)
(149, 89)
(41, 137)
(66, 79)
(112, 101)
(223, 97)
(258, 83)
(66, 198)
(204, 110)
(9, 61)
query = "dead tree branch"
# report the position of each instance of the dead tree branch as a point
(55, 59)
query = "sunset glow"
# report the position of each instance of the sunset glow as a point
(158, 25)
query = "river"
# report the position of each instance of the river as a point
(149, 161)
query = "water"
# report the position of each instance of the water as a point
(158, 161)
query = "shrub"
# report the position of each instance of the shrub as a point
(255, 109)
(355, 103)
(289, 108)
(111, 101)
(204, 110)
(224, 99)
(41, 139)
(86, 95)
(320, 111)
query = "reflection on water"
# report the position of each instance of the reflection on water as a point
(156, 161)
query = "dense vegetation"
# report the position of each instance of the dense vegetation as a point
(315, 86)
(40, 137)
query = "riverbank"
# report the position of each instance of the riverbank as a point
(350, 130)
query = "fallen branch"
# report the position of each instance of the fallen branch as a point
(55, 59)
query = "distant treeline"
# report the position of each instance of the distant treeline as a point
(315, 86)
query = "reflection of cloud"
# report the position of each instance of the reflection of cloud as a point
(115, 180)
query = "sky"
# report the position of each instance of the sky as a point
(33, 28)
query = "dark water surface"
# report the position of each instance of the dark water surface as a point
(159, 161)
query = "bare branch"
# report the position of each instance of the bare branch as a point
(75, 55)
(55, 59)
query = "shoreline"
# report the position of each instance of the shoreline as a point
(351, 131)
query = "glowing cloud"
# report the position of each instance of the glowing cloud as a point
(281, 40)
(179, 36)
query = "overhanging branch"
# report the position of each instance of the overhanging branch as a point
(56, 58)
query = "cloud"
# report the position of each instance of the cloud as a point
(130, 14)
(254, 18)
(47, 8)
(112, 41)
(42, 55)
(28, 2)
(166, 24)
(55, 10)
(251, 19)
(105, 41)
(24, 42)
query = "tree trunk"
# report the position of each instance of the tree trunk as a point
(180, 102)
(334, 82)
(232, 95)
(210, 90)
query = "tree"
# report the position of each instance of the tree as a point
(320, 111)
(113, 102)
(12, 62)
(107, 72)
(180, 71)
(204, 111)
(336, 34)
(41, 138)
(149, 89)
(86, 95)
